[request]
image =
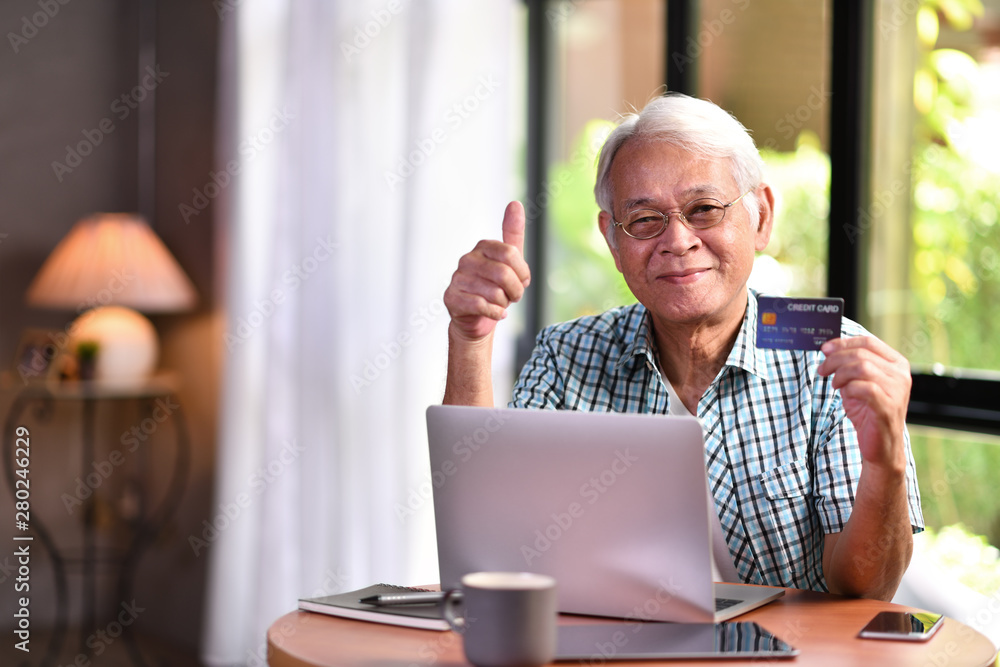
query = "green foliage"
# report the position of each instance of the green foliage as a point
(970, 558)
(87, 350)
(955, 274)
(582, 279)
(954, 279)
(801, 183)
(955, 268)
(956, 481)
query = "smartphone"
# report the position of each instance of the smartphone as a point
(917, 627)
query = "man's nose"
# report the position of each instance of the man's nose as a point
(677, 238)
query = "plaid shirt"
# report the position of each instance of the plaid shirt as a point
(782, 458)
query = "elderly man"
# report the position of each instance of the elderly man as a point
(808, 454)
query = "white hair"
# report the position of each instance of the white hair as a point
(697, 126)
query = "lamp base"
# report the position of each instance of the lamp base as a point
(126, 344)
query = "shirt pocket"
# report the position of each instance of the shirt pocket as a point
(786, 482)
(790, 521)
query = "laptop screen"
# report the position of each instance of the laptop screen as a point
(614, 506)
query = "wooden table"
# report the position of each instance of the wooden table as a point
(823, 627)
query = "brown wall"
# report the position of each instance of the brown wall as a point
(59, 78)
(768, 62)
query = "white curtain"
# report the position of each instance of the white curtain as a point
(368, 145)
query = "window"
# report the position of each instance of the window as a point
(606, 60)
(781, 95)
(878, 124)
(930, 239)
(934, 285)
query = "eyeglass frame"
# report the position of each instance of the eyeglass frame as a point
(680, 214)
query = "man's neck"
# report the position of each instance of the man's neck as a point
(691, 355)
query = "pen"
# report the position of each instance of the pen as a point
(423, 597)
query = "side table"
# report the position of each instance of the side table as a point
(146, 525)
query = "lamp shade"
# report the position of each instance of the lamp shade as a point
(112, 259)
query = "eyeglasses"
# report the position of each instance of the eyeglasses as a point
(698, 214)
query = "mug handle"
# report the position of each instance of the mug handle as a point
(452, 599)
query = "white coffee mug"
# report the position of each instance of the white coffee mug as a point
(508, 619)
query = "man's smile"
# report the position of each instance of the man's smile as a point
(683, 276)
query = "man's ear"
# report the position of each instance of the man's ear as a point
(765, 223)
(609, 233)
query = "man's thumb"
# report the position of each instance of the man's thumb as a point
(513, 225)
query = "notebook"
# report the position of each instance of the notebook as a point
(614, 506)
(348, 605)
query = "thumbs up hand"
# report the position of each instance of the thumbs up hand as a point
(489, 279)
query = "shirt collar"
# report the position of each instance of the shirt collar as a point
(745, 353)
(638, 340)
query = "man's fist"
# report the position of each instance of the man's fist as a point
(489, 278)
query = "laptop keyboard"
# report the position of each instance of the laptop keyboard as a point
(725, 603)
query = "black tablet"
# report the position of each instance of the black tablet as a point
(601, 642)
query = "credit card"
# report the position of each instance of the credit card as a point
(786, 323)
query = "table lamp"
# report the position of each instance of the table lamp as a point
(109, 266)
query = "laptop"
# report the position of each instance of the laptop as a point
(614, 506)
